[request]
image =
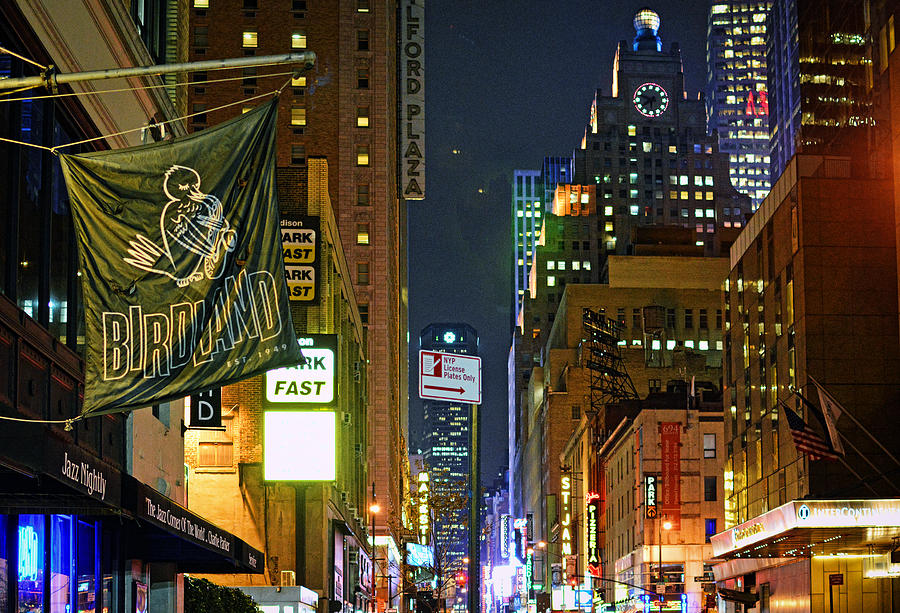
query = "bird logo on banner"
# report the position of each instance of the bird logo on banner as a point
(196, 236)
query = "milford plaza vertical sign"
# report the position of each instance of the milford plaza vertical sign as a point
(412, 100)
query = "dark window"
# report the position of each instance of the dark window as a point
(298, 154)
(298, 5)
(251, 5)
(362, 273)
(704, 323)
(362, 40)
(576, 411)
(709, 489)
(688, 319)
(718, 319)
(670, 318)
(362, 195)
(199, 113)
(362, 78)
(201, 36)
(249, 77)
(364, 313)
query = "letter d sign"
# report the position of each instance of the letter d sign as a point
(206, 409)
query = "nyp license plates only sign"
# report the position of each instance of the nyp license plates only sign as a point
(449, 376)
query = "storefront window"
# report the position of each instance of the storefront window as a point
(30, 573)
(86, 557)
(61, 563)
(4, 564)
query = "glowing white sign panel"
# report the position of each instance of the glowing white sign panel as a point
(299, 446)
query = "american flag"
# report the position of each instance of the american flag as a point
(805, 439)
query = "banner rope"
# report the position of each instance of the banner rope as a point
(138, 88)
(22, 57)
(68, 422)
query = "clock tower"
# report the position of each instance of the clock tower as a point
(647, 151)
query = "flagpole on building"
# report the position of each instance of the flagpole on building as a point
(871, 464)
(51, 79)
(853, 419)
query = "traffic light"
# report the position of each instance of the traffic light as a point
(573, 581)
(461, 579)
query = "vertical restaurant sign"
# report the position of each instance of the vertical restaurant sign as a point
(301, 245)
(592, 532)
(412, 100)
(504, 536)
(565, 515)
(670, 434)
(650, 496)
(182, 289)
(424, 512)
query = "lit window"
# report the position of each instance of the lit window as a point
(609, 226)
(362, 234)
(634, 209)
(709, 179)
(670, 345)
(551, 265)
(709, 196)
(689, 344)
(250, 39)
(201, 4)
(586, 265)
(709, 445)
(673, 149)
(362, 155)
(703, 345)
(298, 81)
(698, 212)
(608, 211)
(655, 344)
(362, 117)
(698, 179)
(710, 213)
(576, 265)
(298, 39)
(683, 180)
(685, 195)
(561, 265)
(298, 154)
(298, 116)
(551, 281)
(362, 6)
(632, 131)
(698, 195)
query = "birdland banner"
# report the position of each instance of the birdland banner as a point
(181, 270)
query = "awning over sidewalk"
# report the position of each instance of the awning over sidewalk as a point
(802, 528)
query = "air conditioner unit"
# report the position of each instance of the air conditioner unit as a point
(288, 578)
(346, 418)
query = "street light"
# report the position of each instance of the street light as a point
(373, 509)
(666, 525)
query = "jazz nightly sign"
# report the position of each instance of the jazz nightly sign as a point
(312, 381)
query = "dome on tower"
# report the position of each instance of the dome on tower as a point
(646, 22)
(646, 19)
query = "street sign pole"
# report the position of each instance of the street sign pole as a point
(474, 595)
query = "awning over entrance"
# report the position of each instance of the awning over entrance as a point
(802, 528)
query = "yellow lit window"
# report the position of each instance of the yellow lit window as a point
(298, 39)
(709, 195)
(298, 116)
(673, 195)
(362, 155)
(698, 195)
(685, 195)
(362, 117)
(298, 82)
(201, 4)
(362, 234)
(609, 226)
(632, 131)
(250, 39)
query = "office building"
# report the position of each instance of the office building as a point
(811, 310)
(446, 434)
(526, 214)
(647, 151)
(344, 109)
(819, 71)
(555, 170)
(737, 101)
(82, 504)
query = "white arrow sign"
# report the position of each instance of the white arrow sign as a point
(449, 376)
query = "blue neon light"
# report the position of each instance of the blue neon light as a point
(29, 553)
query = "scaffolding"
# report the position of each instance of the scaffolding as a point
(609, 380)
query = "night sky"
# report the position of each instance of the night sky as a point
(507, 82)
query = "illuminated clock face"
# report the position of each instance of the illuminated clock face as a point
(650, 100)
(449, 337)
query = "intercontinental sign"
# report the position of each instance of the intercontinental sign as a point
(805, 514)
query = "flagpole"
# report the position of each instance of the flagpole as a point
(51, 79)
(869, 462)
(856, 474)
(853, 419)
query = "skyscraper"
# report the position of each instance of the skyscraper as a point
(527, 209)
(819, 71)
(737, 102)
(647, 151)
(446, 438)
